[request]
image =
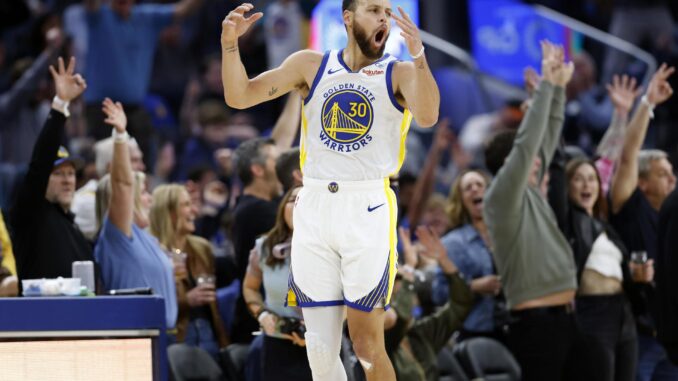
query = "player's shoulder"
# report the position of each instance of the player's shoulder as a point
(402, 67)
(402, 70)
(306, 56)
(306, 60)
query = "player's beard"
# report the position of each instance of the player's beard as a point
(365, 43)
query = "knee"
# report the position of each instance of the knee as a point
(366, 347)
(321, 356)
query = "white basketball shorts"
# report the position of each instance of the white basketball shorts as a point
(344, 244)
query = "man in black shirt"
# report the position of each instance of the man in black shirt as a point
(667, 281)
(46, 239)
(640, 185)
(254, 215)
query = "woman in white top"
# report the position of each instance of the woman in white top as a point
(606, 278)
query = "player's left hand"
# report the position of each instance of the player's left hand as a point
(410, 32)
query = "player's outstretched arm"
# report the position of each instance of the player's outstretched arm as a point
(413, 80)
(241, 92)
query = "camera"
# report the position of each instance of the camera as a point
(289, 325)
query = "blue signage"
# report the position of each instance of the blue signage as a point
(505, 37)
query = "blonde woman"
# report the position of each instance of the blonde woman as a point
(468, 246)
(129, 257)
(173, 223)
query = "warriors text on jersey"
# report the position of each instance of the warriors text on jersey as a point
(352, 126)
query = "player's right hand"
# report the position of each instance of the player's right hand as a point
(236, 24)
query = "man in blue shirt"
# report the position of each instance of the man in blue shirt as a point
(121, 47)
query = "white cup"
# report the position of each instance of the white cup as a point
(84, 270)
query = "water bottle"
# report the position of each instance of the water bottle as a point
(85, 271)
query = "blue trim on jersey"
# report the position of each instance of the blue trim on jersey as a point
(318, 76)
(329, 303)
(378, 294)
(385, 56)
(358, 306)
(363, 308)
(299, 295)
(389, 87)
(340, 58)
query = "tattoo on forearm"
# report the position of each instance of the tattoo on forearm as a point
(231, 50)
(272, 91)
(421, 66)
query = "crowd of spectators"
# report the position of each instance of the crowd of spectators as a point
(555, 234)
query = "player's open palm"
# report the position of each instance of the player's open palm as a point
(659, 89)
(236, 24)
(623, 91)
(410, 31)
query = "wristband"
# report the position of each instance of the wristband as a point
(262, 314)
(120, 137)
(418, 55)
(649, 105)
(61, 105)
(408, 269)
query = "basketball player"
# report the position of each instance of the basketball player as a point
(358, 104)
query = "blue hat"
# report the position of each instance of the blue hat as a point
(64, 157)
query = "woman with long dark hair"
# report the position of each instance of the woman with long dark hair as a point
(283, 354)
(603, 269)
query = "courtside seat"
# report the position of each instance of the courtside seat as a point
(487, 359)
(449, 368)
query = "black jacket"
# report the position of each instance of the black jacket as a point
(581, 231)
(666, 313)
(46, 239)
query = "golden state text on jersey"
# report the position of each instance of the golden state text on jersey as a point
(347, 117)
(353, 128)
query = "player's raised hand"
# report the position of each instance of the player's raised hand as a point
(410, 32)
(235, 24)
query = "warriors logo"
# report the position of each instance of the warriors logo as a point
(347, 118)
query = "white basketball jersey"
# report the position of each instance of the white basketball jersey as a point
(352, 126)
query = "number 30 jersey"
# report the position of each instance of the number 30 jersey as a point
(352, 126)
